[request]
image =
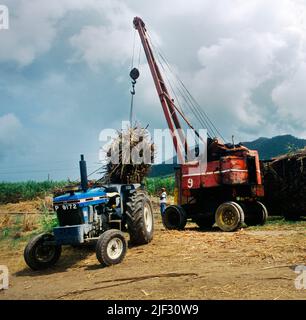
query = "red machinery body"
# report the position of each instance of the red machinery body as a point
(224, 189)
(238, 171)
(228, 170)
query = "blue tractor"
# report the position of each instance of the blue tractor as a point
(97, 214)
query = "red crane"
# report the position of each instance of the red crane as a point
(225, 191)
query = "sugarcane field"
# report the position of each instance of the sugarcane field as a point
(152, 153)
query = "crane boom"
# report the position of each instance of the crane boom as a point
(168, 105)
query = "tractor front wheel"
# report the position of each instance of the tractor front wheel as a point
(229, 216)
(40, 253)
(174, 218)
(111, 247)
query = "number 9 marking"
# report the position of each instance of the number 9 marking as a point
(190, 183)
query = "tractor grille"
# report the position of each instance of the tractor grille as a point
(70, 217)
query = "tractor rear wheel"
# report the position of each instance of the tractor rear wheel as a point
(174, 218)
(229, 216)
(111, 247)
(40, 255)
(139, 218)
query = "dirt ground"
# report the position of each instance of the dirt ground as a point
(30, 207)
(254, 263)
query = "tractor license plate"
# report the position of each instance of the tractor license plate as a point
(66, 206)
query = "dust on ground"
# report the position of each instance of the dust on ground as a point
(254, 263)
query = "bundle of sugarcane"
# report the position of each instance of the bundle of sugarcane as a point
(129, 157)
(285, 184)
(71, 186)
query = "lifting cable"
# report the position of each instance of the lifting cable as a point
(194, 108)
(159, 55)
(133, 83)
(195, 111)
(134, 74)
(133, 52)
(169, 83)
(185, 94)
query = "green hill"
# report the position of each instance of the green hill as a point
(270, 148)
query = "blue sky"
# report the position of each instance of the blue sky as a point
(64, 68)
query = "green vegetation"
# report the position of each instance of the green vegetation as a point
(155, 184)
(12, 192)
(48, 222)
(278, 222)
(291, 149)
(18, 228)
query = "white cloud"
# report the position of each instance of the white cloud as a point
(10, 134)
(9, 128)
(32, 30)
(232, 69)
(290, 96)
(110, 41)
(34, 25)
(102, 45)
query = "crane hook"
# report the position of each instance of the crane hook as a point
(133, 87)
(134, 74)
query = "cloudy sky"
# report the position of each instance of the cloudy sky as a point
(64, 68)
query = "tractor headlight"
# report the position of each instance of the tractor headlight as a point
(85, 214)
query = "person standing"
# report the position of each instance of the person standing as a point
(163, 200)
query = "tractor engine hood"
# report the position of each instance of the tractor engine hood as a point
(90, 197)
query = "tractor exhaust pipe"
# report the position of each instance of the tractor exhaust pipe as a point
(83, 173)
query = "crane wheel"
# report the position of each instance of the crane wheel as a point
(229, 216)
(262, 213)
(174, 218)
(256, 213)
(139, 218)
